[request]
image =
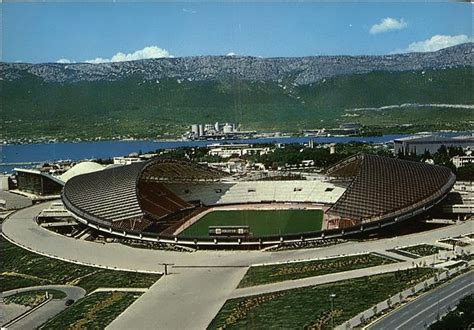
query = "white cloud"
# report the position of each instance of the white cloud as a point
(437, 42)
(64, 61)
(231, 54)
(188, 10)
(145, 53)
(388, 24)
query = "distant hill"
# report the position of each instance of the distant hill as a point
(157, 97)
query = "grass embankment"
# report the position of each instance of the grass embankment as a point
(33, 298)
(93, 312)
(20, 268)
(260, 222)
(310, 306)
(423, 250)
(291, 271)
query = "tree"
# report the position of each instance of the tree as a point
(466, 173)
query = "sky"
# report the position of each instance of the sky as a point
(97, 32)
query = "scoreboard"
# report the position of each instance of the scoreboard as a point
(229, 230)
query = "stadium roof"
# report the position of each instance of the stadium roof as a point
(112, 195)
(383, 187)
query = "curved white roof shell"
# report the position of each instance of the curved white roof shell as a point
(80, 168)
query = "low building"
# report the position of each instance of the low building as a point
(126, 160)
(236, 150)
(38, 183)
(460, 161)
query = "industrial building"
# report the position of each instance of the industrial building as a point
(419, 144)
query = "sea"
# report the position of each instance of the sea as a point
(32, 155)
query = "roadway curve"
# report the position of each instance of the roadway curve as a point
(423, 311)
(21, 229)
(39, 316)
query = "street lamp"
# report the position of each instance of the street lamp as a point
(166, 267)
(332, 296)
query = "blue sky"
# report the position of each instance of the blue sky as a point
(47, 32)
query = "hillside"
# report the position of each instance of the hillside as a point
(35, 105)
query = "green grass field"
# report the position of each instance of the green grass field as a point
(95, 311)
(260, 222)
(258, 275)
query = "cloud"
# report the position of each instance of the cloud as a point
(231, 54)
(64, 61)
(388, 24)
(145, 53)
(188, 10)
(437, 42)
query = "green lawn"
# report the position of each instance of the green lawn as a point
(423, 250)
(309, 307)
(260, 222)
(20, 268)
(33, 298)
(292, 271)
(93, 312)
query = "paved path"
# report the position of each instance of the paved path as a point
(185, 299)
(322, 279)
(396, 256)
(120, 290)
(48, 310)
(14, 201)
(9, 311)
(192, 295)
(424, 310)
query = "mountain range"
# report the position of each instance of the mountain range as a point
(298, 70)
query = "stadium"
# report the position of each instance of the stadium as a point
(188, 204)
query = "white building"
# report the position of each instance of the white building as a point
(126, 160)
(230, 150)
(460, 161)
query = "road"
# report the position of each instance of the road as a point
(48, 310)
(424, 310)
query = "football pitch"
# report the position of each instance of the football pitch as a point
(260, 222)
